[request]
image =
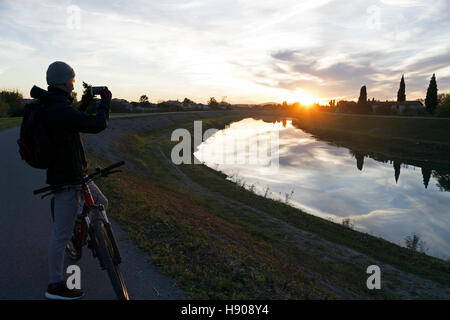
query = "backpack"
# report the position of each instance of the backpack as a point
(35, 143)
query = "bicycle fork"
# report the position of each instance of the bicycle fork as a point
(101, 215)
(117, 259)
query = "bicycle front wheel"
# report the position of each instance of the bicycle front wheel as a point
(105, 253)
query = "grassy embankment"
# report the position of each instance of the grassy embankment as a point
(219, 240)
(9, 122)
(411, 140)
(6, 123)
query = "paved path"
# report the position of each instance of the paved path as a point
(25, 227)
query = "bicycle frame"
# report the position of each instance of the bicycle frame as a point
(81, 229)
(86, 219)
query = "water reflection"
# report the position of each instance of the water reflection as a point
(441, 175)
(384, 197)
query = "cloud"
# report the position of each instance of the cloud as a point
(404, 3)
(315, 72)
(249, 51)
(432, 63)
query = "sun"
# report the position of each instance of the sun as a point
(301, 96)
(307, 99)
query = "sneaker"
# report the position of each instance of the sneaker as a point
(59, 291)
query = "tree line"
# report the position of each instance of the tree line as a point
(12, 104)
(435, 104)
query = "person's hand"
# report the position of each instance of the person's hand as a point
(86, 98)
(106, 95)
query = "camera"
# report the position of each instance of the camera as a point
(97, 90)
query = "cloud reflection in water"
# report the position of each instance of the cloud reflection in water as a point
(390, 200)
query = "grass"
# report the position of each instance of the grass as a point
(209, 257)
(216, 248)
(6, 123)
(431, 130)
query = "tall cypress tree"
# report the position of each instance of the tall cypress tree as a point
(431, 101)
(401, 95)
(362, 95)
(363, 106)
(397, 166)
(359, 160)
(426, 174)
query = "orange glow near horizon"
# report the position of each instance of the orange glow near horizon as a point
(304, 98)
(307, 99)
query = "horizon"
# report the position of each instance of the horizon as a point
(251, 53)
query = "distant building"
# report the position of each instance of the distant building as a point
(123, 103)
(404, 107)
(174, 103)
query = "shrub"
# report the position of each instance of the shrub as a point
(213, 104)
(14, 99)
(4, 108)
(347, 222)
(443, 109)
(415, 244)
(347, 106)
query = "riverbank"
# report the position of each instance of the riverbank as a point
(218, 240)
(9, 122)
(409, 140)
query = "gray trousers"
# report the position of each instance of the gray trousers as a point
(67, 204)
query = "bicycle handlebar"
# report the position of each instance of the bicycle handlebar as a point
(100, 172)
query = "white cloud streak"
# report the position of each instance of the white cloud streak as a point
(199, 49)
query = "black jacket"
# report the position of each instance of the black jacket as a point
(64, 124)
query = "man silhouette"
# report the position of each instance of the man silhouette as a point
(64, 124)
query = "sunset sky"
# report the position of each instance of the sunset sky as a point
(249, 51)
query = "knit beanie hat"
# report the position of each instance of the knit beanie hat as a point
(59, 73)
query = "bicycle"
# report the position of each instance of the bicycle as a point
(92, 228)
